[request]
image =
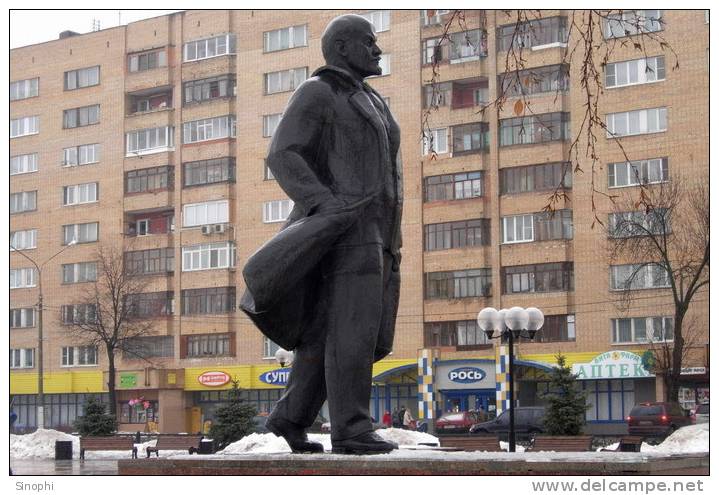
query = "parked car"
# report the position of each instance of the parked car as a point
(701, 415)
(457, 422)
(657, 419)
(528, 421)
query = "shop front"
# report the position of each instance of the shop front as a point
(466, 385)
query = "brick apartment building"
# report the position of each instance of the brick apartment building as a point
(152, 136)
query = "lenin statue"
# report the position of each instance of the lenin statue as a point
(327, 285)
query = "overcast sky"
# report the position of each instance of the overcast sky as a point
(28, 27)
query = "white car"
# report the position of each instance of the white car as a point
(702, 413)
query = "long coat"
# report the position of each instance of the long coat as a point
(331, 144)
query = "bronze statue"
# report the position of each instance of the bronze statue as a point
(327, 285)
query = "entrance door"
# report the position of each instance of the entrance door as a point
(470, 399)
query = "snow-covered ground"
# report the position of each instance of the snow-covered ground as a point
(690, 439)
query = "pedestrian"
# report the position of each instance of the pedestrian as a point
(400, 416)
(407, 420)
(387, 419)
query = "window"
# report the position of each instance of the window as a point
(22, 317)
(631, 72)
(22, 358)
(80, 117)
(217, 344)
(208, 129)
(24, 126)
(75, 273)
(79, 356)
(21, 278)
(138, 62)
(631, 22)
(462, 333)
(557, 328)
(534, 129)
(470, 138)
(150, 261)
(434, 51)
(534, 81)
(208, 256)
(639, 223)
(458, 284)
(81, 155)
(149, 179)
(609, 400)
(80, 193)
(638, 276)
(456, 235)
(535, 34)
(284, 80)
(145, 141)
(209, 89)
(276, 211)
(544, 277)
(652, 171)
(542, 177)
(210, 47)
(636, 122)
(642, 330)
(208, 301)
(269, 348)
(270, 123)
(436, 142)
(23, 201)
(27, 88)
(549, 226)
(438, 95)
(82, 78)
(23, 164)
(433, 17)
(209, 171)
(151, 304)
(463, 46)
(78, 313)
(149, 347)
(207, 213)
(145, 102)
(282, 39)
(23, 239)
(518, 228)
(453, 186)
(80, 232)
(379, 19)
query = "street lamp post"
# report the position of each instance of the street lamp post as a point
(510, 323)
(40, 366)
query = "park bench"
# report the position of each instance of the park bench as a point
(582, 443)
(118, 442)
(485, 443)
(628, 444)
(190, 443)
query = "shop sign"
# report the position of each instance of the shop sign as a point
(612, 364)
(466, 375)
(213, 378)
(697, 370)
(276, 377)
(128, 380)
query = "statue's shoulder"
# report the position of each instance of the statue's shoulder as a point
(317, 89)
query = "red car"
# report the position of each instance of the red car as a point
(457, 422)
(657, 419)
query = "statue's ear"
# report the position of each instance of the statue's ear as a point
(341, 47)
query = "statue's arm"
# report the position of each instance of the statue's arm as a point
(297, 142)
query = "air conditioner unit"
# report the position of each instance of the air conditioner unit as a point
(219, 228)
(207, 229)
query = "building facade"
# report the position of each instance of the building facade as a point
(152, 136)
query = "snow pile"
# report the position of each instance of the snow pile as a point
(505, 446)
(40, 444)
(686, 440)
(406, 437)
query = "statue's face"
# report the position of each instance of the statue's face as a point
(363, 54)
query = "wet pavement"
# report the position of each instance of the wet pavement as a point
(49, 467)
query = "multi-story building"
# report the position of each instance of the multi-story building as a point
(152, 136)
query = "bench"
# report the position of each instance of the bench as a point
(485, 443)
(190, 443)
(582, 443)
(628, 444)
(118, 442)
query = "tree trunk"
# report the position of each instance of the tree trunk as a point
(677, 354)
(111, 380)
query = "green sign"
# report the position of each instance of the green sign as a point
(128, 380)
(613, 364)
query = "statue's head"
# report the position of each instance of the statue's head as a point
(349, 42)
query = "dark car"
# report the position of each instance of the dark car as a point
(701, 415)
(528, 421)
(457, 422)
(657, 419)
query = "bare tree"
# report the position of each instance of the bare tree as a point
(661, 238)
(106, 316)
(589, 39)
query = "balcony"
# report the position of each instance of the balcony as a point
(149, 222)
(149, 100)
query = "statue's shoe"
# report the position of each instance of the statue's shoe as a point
(295, 436)
(366, 443)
